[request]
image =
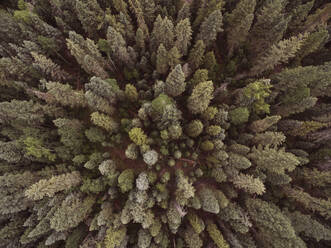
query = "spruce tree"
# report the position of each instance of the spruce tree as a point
(150, 124)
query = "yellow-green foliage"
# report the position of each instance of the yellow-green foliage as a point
(104, 121)
(308, 127)
(23, 15)
(216, 236)
(138, 136)
(196, 222)
(194, 128)
(35, 148)
(200, 98)
(213, 130)
(257, 92)
(207, 146)
(131, 92)
(209, 113)
(126, 180)
(159, 103)
(239, 115)
(114, 237)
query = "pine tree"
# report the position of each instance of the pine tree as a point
(304, 223)
(49, 68)
(72, 211)
(196, 55)
(249, 184)
(270, 25)
(90, 15)
(183, 33)
(238, 24)
(211, 27)
(104, 122)
(278, 54)
(162, 64)
(87, 55)
(163, 32)
(62, 94)
(200, 97)
(277, 228)
(53, 185)
(273, 160)
(119, 47)
(216, 236)
(299, 14)
(310, 202)
(175, 83)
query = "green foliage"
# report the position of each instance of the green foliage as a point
(162, 60)
(200, 98)
(53, 185)
(277, 228)
(114, 237)
(256, 93)
(35, 148)
(126, 180)
(175, 83)
(194, 128)
(138, 136)
(239, 22)
(216, 236)
(104, 122)
(196, 54)
(72, 211)
(145, 123)
(131, 92)
(239, 115)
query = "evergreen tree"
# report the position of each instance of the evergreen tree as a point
(239, 23)
(274, 223)
(211, 27)
(269, 28)
(175, 83)
(138, 123)
(200, 97)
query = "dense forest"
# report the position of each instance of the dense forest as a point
(165, 123)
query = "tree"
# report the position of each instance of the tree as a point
(268, 29)
(211, 27)
(175, 83)
(216, 236)
(278, 54)
(183, 33)
(163, 32)
(87, 55)
(196, 54)
(48, 187)
(200, 98)
(126, 180)
(162, 64)
(137, 136)
(249, 184)
(310, 202)
(119, 47)
(71, 132)
(273, 160)
(104, 122)
(72, 211)
(277, 228)
(304, 223)
(49, 68)
(90, 15)
(62, 94)
(238, 24)
(209, 201)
